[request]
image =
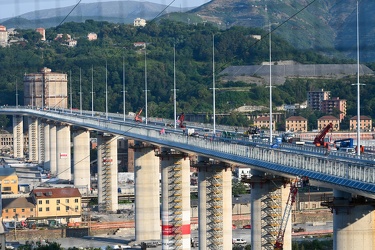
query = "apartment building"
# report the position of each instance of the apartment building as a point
(61, 204)
(9, 180)
(365, 123)
(17, 209)
(325, 120)
(296, 124)
(335, 104)
(315, 98)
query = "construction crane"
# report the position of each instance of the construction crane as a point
(279, 244)
(180, 120)
(319, 139)
(138, 117)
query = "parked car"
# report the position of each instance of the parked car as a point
(234, 226)
(247, 226)
(239, 241)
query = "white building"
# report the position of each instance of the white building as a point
(139, 22)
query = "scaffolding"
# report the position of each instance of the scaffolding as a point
(106, 204)
(175, 204)
(215, 210)
(33, 139)
(271, 217)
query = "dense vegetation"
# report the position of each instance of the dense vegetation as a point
(194, 79)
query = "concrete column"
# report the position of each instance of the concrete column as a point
(353, 222)
(147, 199)
(63, 152)
(18, 136)
(47, 148)
(81, 160)
(268, 198)
(52, 146)
(215, 205)
(41, 142)
(107, 173)
(33, 139)
(175, 179)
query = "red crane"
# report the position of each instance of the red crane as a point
(319, 139)
(180, 120)
(138, 117)
(279, 244)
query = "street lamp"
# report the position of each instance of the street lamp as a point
(213, 83)
(92, 90)
(358, 97)
(123, 85)
(146, 84)
(106, 91)
(70, 90)
(80, 92)
(16, 94)
(270, 55)
(174, 86)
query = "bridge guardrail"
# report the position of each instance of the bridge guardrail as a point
(353, 172)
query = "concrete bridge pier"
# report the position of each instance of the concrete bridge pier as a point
(52, 148)
(18, 136)
(175, 216)
(147, 198)
(63, 155)
(41, 142)
(215, 205)
(269, 195)
(353, 221)
(81, 159)
(33, 124)
(46, 148)
(107, 172)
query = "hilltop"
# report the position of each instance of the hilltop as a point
(326, 26)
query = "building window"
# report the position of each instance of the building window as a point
(40, 209)
(76, 209)
(40, 202)
(47, 209)
(14, 210)
(31, 209)
(57, 202)
(47, 201)
(6, 210)
(67, 200)
(75, 200)
(66, 208)
(58, 208)
(23, 210)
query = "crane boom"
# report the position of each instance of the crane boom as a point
(319, 139)
(138, 117)
(284, 221)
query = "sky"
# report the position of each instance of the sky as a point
(12, 8)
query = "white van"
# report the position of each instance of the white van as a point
(347, 150)
(238, 241)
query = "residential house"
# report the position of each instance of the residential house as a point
(17, 209)
(61, 204)
(365, 123)
(325, 120)
(296, 124)
(9, 180)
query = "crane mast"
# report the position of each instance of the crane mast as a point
(284, 221)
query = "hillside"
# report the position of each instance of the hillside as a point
(114, 11)
(325, 26)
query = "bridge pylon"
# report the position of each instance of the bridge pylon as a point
(353, 221)
(269, 195)
(147, 198)
(175, 182)
(215, 204)
(18, 146)
(107, 173)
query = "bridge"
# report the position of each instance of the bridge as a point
(352, 177)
